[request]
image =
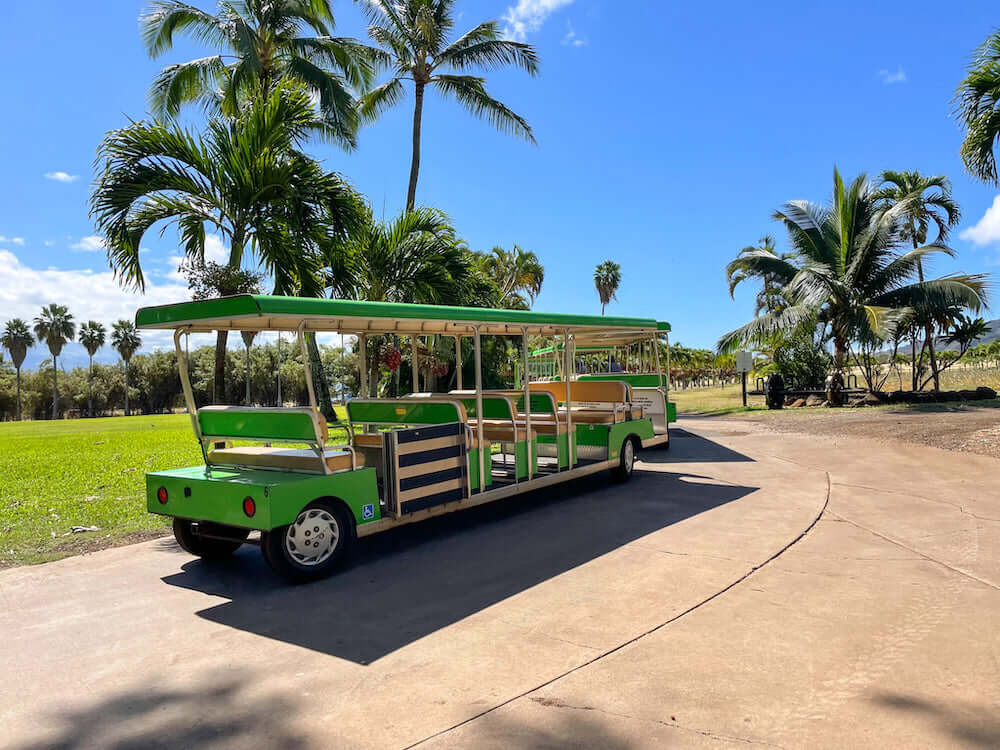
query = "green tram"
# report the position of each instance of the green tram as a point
(274, 469)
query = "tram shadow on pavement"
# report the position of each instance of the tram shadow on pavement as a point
(404, 584)
(687, 447)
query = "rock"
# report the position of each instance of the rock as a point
(871, 399)
(797, 403)
(83, 529)
(815, 401)
(986, 393)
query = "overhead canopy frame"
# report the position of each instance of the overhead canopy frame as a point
(261, 313)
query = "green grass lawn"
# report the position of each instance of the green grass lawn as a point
(87, 472)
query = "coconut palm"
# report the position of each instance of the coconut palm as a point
(17, 339)
(125, 340)
(846, 272)
(607, 277)
(931, 204)
(263, 41)
(769, 298)
(245, 179)
(92, 336)
(414, 35)
(977, 108)
(517, 275)
(55, 327)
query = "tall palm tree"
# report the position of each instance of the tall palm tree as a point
(245, 179)
(17, 339)
(931, 204)
(126, 341)
(55, 327)
(414, 35)
(847, 273)
(263, 41)
(977, 108)
(607, 278)
(248, 337)
(517, 275)
(92, 336)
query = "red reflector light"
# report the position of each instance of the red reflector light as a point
(249, 506)
(161, 495)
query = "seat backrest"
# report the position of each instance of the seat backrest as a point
(637, 380)
(288, 424)
(587, 391)
(406, 411)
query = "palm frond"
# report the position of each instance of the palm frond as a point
(380, 99)
(163, 18)
(470, 91)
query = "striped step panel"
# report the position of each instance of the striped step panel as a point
(430, 466)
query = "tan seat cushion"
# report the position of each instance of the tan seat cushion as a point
(374, 440)
(293, 459)
(591, 416)
(636, 412)
(500, 430)
(544, 424)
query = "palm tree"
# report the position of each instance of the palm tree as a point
(517, 275)
(17, 339)
(245, 179)
(607, 277)
(932, 204)
(415, 258)
(55, 327)
(248, 337)
(846, 272)
(976, 108)
(264, 41)
(414, 35)
(125, 339)
(769, 298)
(92, 336)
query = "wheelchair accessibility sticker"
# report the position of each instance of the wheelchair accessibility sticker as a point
(367, 512)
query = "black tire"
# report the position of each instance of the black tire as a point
(626, 460)
(286, 548)
(209, 547)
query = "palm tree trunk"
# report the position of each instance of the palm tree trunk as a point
(248, 375)
(127, 414)
(55, 388)
(90, 388)
(19, 393)
(222, 337)
(418, 109)
(322, 385)
(602, 308)
(914, 376)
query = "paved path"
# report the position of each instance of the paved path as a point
(744, 588)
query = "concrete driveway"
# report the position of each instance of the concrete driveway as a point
(744, 588)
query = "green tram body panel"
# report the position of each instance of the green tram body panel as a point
(280, 496)
(611, 436)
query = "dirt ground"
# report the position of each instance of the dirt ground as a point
(970, 427)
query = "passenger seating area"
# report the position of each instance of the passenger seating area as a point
(277, 424)
(594, 402)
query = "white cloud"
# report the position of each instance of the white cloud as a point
(49, 243)
(889, 78)
(89, 295)
(62, 176)
(90, 244)
(571, 39)
(987, 230)
(12, 240)
(528, 16)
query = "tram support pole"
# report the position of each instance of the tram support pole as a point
(458, 362)
(477, 347)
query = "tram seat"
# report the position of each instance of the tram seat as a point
(374, 440)
(291, 459)
(600, 402)
(502, 430)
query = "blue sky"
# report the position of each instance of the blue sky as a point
(667, 134)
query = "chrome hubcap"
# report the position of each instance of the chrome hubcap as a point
(628, 456)
(313, 537)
